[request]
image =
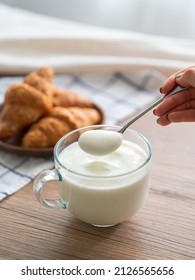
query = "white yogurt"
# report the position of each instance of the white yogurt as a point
(108, 193)
(100, 142)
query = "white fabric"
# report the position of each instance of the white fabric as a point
(28, 40)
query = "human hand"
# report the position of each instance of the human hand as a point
(181, 106)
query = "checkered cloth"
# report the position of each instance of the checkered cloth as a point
(118, 94)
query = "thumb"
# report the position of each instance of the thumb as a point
(186, 78)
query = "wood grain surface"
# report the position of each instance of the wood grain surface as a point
(163, 229)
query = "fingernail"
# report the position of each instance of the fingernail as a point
(160, 90)
(158, 121)
(154, 112)
(177, 76)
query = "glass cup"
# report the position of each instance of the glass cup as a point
(103, 199)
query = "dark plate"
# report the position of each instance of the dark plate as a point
(13, 146)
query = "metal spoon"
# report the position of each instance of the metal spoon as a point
(103, 142)
(174, 91)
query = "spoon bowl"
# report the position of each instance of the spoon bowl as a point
(100, 142)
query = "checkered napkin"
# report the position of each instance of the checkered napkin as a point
(118, 94)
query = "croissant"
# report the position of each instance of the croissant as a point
(39, 83)
(23, 105)
(67, 98)
(48, 130)
(63, 98)
(45, 72)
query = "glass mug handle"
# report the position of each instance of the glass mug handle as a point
(40, 180)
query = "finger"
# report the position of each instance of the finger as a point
(176, 117)
(173, 80)
(169, 84)
(189, 104)
(186, 78)
(163, 120)
(170, 103)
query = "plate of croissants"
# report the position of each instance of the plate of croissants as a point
(36, 113)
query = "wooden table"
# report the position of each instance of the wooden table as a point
(163, 229)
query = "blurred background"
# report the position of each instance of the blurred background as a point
(172, 18)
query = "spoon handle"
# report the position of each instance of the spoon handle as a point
(174, 91)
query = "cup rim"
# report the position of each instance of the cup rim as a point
(148, 158)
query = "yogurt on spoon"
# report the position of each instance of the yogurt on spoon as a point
(100, 142)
